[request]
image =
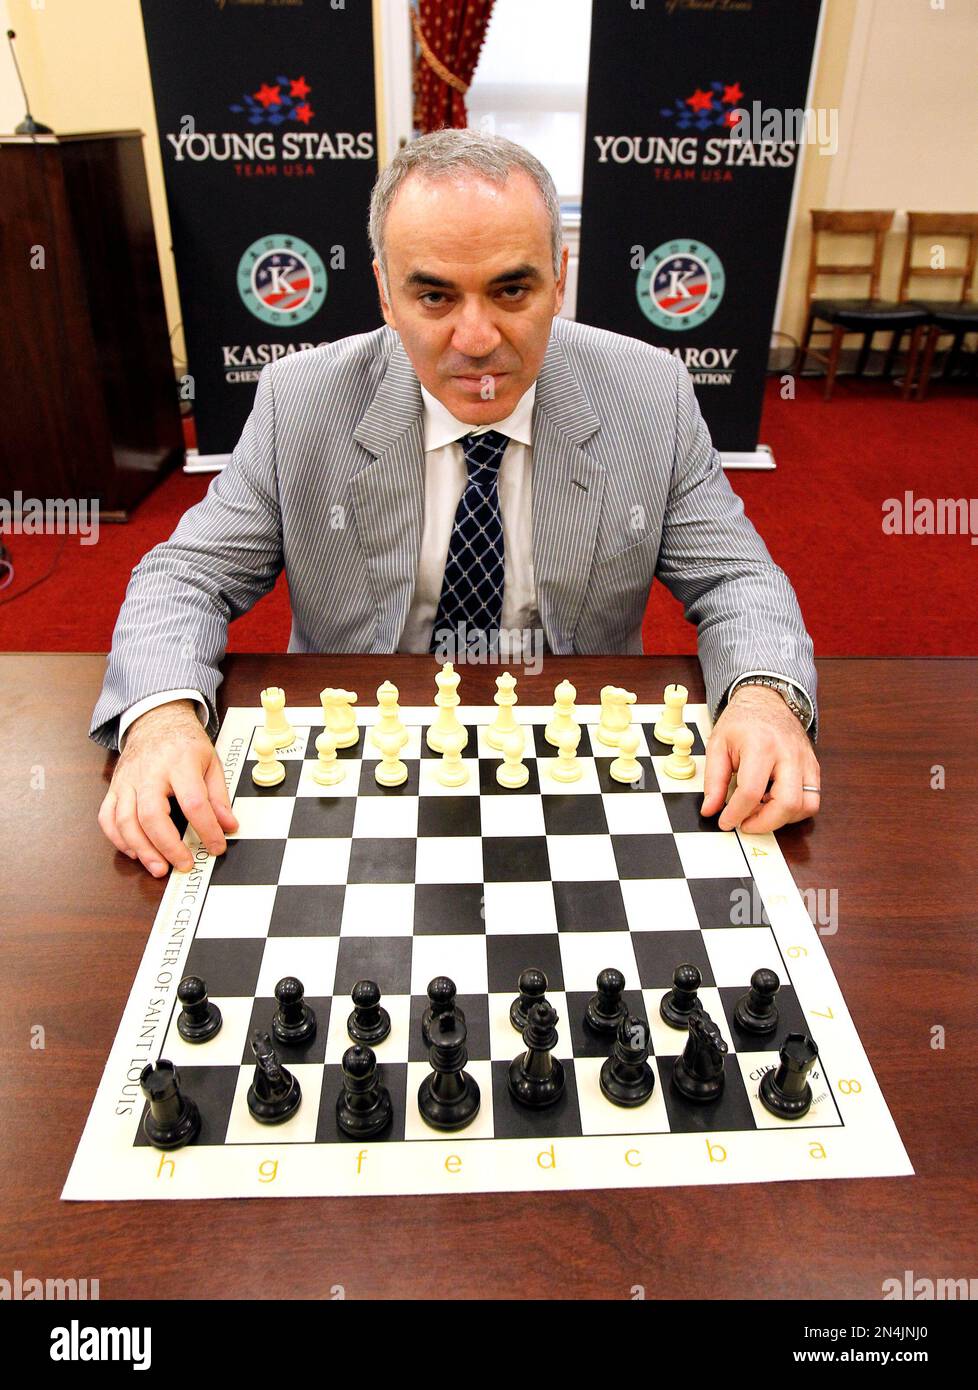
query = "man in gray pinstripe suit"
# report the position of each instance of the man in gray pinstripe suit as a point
(351, 476)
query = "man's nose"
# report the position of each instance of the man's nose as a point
(475, 335)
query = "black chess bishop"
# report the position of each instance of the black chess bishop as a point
(679, 1002)
(369, 1022)
(274, 1094)
(363, 1107)
(448, 1098)
(626, 1077)
(532, 986)
(785, 1091)
(172, 1119)
(199, 1019)
(441, 1000)
(294, 1021)
(536, 1076)
(698, 1073)
(756, 1011)
(606, 1008)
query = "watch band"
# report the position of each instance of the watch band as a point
(784, 689)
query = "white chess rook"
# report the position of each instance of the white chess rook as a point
(671, 718)
(277, 725)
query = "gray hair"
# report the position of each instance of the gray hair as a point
(445, 152)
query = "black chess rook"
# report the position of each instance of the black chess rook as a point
(679, 1002)
(294, 1021)
(363, 1107)
(448, 1098)
(199, 1019)
(532, 986)
(785, 1091)
(536, 1076)
(626, 1077)
(274, 1094)
(172, 1119)
(698, 1073)
(369, 1022)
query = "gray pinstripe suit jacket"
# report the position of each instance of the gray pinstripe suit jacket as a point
(327, 480)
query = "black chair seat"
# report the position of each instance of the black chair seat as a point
(864, 314)
(950, 315)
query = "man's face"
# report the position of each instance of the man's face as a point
(472, 288)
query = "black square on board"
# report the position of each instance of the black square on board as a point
(393, 1075)
(662, 750)
(657, 953)
(254, 863)
(488, 786)
(732, 1110)
(440, 816)
(384, 959)
(574, 815)
(791, 1019)
(307, 910)
(229, 966)
(683, 810)
(382, 861)
(469, 751)
(323, 817)
(369, 786)
(355, 750)
(585, 1042)
(449, 909)
(515, 859)
(590, 907)
(287, 787)
(508, 956)
(647, 782)
(475, 1007)
(727, 902)
(513, 1120)
(543, 749)
(263, 1011)
(647, 856)
(212, 1089)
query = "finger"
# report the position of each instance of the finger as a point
(132, 832)
(191, 792)
(753, 775)
(153, 809)
(108, 827)
(218, 793)
(716, 776)
(785, 805)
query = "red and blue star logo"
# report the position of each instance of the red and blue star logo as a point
(706, 107)
(275, 103)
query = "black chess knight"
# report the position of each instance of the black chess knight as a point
(274, 1094)
(698, 1073)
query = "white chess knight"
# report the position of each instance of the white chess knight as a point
(671, 719)
(680, 764)
(277, 725)
(267, 771)
(328, 770)
(339, 717)
(447, 700)
(616, 714)
(505, 721)
(563, 720)
(389, 720)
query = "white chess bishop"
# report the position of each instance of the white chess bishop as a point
(505, 721)
(563, 720)
(389, 713)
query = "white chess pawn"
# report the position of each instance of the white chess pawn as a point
(267, 771)
(505, 721)
(450, 771)
(512, 772)
(671, 718)
(616, 714)
(679, 764)
(626, 767)
(447, 700)
(329, 770)
(390, 771)
(389, 721)
(566, 767)
(563, 718)
(276, 724)
(339, 717)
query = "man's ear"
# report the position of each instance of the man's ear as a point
(561, 281)
(385, 308)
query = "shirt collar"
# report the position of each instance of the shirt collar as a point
(441, 426)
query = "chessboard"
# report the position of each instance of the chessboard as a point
(335, 885)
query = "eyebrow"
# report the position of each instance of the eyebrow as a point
(505, 277)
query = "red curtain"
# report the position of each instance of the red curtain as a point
(449, 35)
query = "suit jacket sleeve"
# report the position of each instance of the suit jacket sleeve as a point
(715, 563)
(224, 555)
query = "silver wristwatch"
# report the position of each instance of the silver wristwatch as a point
(784, 689)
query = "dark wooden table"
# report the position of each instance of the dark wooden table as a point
(904, 861)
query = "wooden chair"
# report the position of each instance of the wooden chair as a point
(866, 316)
(957, 317)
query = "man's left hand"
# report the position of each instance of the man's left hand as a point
(758, 738)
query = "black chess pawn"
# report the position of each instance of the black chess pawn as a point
(626, 1077)
(199, 1019)
(606, 1009)
(785, 1091)
(369, 1022)
(532, 986)
(172, 1119)
(441, 1000)
(698, 1073)
(536, 1076)
(363, 1107)
(448, 1098)
(756, 1011)
(679, 1002)
(294, 1022)
(274, 1094)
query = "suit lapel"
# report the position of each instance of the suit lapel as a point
(567, 492)
(388, 494)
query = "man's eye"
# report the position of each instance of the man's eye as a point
(436, 294)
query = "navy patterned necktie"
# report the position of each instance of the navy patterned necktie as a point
(472, 590)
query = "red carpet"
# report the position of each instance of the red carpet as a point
(862, 592)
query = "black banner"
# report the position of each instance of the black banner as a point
(685, 203)
(267, 124)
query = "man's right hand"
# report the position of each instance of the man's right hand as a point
(167, 753)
